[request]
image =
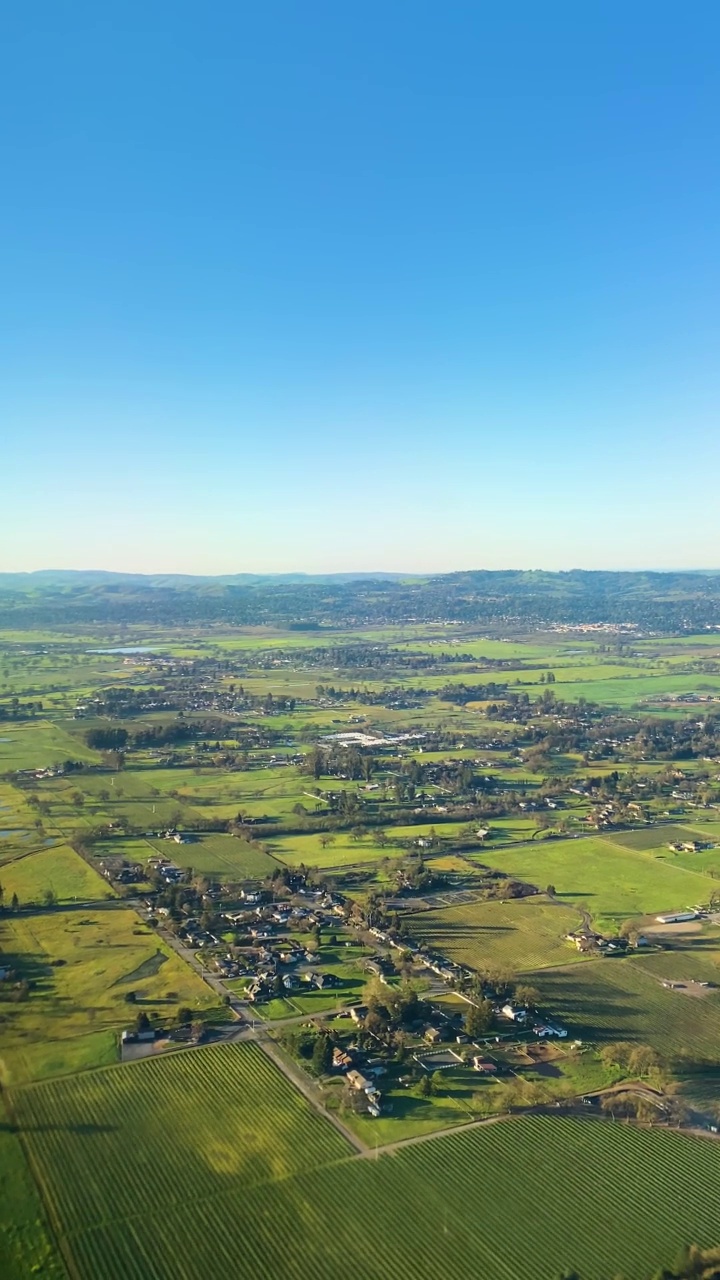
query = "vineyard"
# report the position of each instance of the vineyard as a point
(158, 1133)
(209, 1162)
(625, 1000)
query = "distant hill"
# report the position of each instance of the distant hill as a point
(668, 602)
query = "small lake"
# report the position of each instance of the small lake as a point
(130, 648)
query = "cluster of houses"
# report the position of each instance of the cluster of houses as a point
(120, 870)
(586, 940)
(521, 1017)
(272, 959)
(167, 871)
(348, 1061)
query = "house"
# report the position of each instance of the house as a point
(358, 1081)
(484, 1065)
(342, 1061)
(515, 1014)
(547, 1030)
(359, 1013)
(432, 1035)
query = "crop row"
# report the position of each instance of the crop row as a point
(112, 1143)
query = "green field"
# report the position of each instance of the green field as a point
(80, 964)
(60, 870)
(248, 1178)
(219, 857)
(523, 934)
(610, 882)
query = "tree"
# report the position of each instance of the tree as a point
(551, 891)
(478, 1018)
(527, 996)
(142, 1022)
(14, 902)
(49, 898)
(184, 1016)
(322, 1054)
(643, 1060)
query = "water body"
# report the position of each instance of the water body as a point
(132, 648)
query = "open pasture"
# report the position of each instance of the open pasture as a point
(40, 744)
(610, 882)
(119, 1195)
(81, 963)
(219, 857)
(521, 935)
(60, 871)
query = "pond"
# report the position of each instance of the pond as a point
(128, 648)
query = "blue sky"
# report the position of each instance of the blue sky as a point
(319, 286)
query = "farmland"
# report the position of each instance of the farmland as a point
(81, 964)
(611, 882)
(307, 1198)
(265, 848)
(526, 934)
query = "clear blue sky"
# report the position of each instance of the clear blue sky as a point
(334, 286)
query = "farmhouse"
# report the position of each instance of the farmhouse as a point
(511, 1011)
(358, 1081)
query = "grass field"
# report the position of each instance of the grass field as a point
(520, 935)
(248, 1179)
(60, 870)
(80, 964)
(610, 882)
(40, 745)
(219, 857)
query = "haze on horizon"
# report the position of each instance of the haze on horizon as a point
(309, 289)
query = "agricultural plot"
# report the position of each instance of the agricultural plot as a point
(520, 935)
(119, 1199)
(219, 857)
(100, 1142)
(624, 999)
(26, 1246)
(81, 963)
(610, 882)
(40, 745)
(59, 871)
